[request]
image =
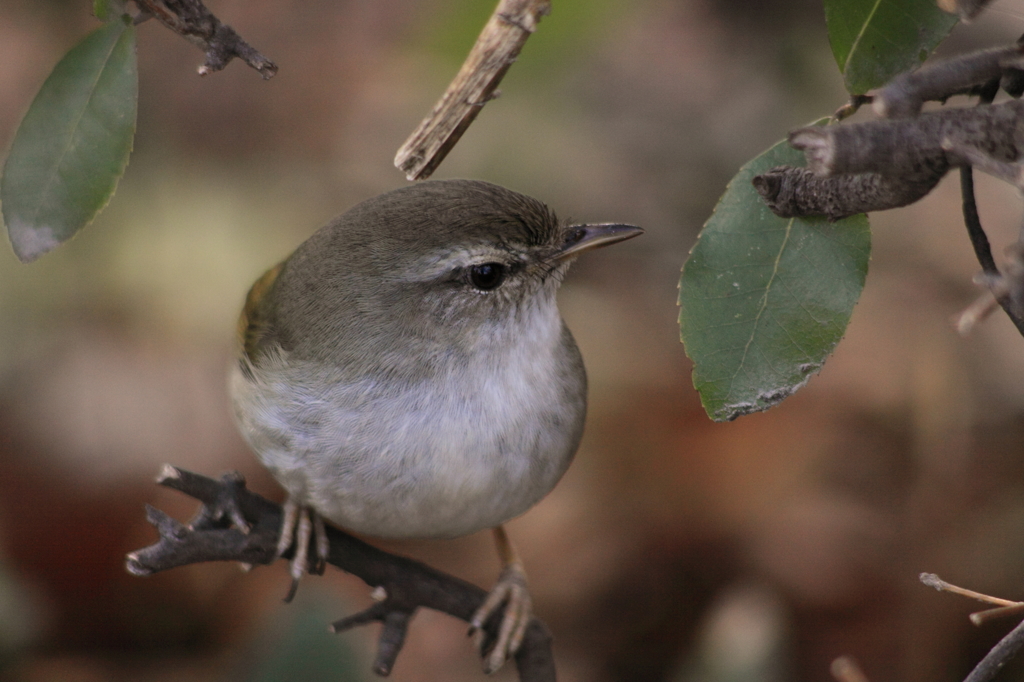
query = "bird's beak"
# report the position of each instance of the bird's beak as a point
(585, 237)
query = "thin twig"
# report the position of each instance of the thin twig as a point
(1006, 288)
(979, 240)
(493, 53)
(850, 108)
(974, 314)
(934, 581)
(982, 617)
(1007, 647)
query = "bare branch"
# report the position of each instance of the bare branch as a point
(792, 192)
(191, 20)
(912, 147)
(904, 95)
(885, 164)
(407, 584)
(493, 53)
(998, 656)
(1012, 173)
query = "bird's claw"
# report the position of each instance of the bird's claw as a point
(298, 525)
(512, 592)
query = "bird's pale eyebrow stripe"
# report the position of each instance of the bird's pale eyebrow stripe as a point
(439, 263)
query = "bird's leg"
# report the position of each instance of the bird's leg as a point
(299, 524)
(510, 590)
(300, 565)
(291, 515)
(323, 545)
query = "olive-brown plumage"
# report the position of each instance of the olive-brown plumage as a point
(405, 372)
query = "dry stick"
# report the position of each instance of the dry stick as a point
(1005, 607)
(982, 617)
(493, 53)
(1007, 647)
(934, 581)
(191, 20)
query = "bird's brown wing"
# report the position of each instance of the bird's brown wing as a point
(253, 323)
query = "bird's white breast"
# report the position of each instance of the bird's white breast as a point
(478, 443)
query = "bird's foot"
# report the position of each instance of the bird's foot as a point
(299, 524)
(510, 590)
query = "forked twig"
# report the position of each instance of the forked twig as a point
(402, 585)
(194, 22)
(1008, 646)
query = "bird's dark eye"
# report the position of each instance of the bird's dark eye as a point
(487, 276)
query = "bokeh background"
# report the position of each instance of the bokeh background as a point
(674, 549)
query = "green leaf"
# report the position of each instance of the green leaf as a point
(874, 40)
(764, 300)
(73, 144)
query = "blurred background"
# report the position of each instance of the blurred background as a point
(674, 549)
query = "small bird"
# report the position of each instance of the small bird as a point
(405, 373)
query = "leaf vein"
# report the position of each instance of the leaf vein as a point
(763, 305)
(56, 171)
(860, 34)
